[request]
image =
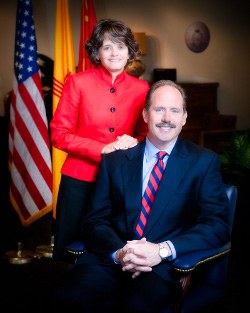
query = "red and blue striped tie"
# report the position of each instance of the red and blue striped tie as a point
(150, 191)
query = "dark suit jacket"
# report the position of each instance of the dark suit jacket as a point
(190, 207)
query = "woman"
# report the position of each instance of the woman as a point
(99, 112)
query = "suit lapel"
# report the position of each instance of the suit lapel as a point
(132, 178)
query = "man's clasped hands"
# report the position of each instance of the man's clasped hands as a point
(138, 256)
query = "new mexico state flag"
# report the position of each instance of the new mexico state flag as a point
(64, 65)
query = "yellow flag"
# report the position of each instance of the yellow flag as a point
(64, 64)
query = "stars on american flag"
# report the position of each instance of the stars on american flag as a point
(26, 63)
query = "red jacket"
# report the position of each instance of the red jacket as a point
(91, 113)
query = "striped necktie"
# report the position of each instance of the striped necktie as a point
(150, 191)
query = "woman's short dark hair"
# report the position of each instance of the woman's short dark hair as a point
(117, 31)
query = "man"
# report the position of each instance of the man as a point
(129, 254)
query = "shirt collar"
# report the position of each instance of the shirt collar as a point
(151, 150)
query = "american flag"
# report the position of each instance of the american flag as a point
(29, 145)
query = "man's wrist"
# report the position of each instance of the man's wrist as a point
(164, 251)
(115, 257)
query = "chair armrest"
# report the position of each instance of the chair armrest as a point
(186, 263)
(77, 247)
(190, 261)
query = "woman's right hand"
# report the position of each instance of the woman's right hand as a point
(109, 148)
(121, 143)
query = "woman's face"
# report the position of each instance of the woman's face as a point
(113, 55)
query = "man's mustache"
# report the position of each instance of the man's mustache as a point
(166, 124)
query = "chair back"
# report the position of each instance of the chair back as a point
(232, 193)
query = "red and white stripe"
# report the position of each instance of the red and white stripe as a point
(29, 151)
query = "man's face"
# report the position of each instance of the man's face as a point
(165, 117)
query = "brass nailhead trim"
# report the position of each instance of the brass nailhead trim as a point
(202, 261)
